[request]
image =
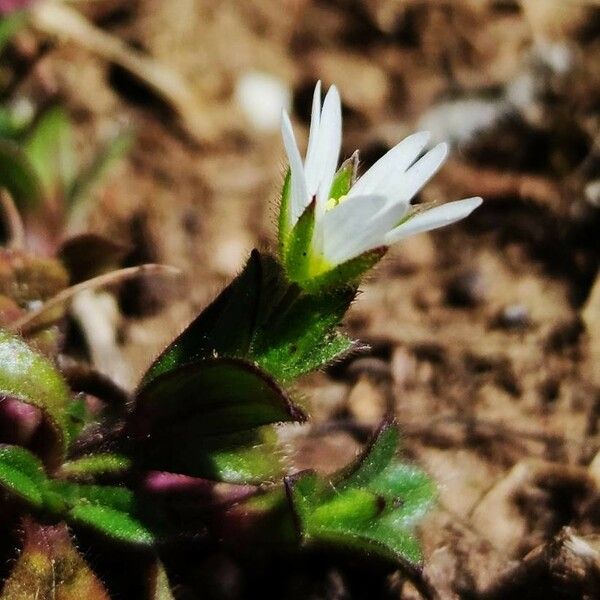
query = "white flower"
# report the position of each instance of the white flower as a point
(376, 212)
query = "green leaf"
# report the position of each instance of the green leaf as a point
(211, 397)
(10, 24)
(22, 474)
(95, 464)
(371, 507)
(115, 524)
(30, 378)
(110, 510)
(265, 319)
(247, 457)
(83, 185)
(18, 175)
(303, 336)
(297, 256)
(49, 566)
(51, 151)
(224, 328)
(205, 420)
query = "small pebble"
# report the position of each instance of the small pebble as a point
(366, 402)
(513, 316)
(262, 97)
(468, 289)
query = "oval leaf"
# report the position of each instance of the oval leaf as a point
(32, 379)
(22, 475)
(248, 457)
(212, 397)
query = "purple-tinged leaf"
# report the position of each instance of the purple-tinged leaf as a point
(29, 378)
(50, 567)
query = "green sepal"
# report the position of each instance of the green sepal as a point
(370, 507)
(285, 214)
(297, 256)
(31, 378)
(18, 175)
(346, 274)
(344, 178)
(22, 475)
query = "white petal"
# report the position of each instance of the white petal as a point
(438, 216)
(315, 121)
(330, 143)
(300, 198)
(402, 187)
(342, 227)
(369, 233)
(392, 164)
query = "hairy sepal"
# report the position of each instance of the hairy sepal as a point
(348, 273)
(298, 254)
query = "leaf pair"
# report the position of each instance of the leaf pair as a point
(204, 407)
(112, 511)
(262, 318)
(371, 506)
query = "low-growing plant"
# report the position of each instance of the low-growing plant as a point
(195, 451)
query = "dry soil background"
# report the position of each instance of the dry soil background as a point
(484, 337)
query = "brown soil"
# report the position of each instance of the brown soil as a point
(484, 337)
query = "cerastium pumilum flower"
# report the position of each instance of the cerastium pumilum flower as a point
(333, 226)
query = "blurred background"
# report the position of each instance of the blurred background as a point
(484, 337)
